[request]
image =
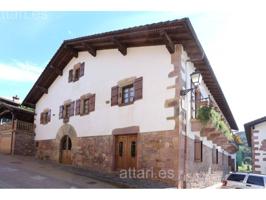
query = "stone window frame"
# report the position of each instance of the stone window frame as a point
(91, 100)
(45, 116)
(76, 72)
(68, 110)
(125, 83)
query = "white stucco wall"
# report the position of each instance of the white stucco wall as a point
(260, 132)
(103, 72)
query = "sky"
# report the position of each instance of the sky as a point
(234, 42)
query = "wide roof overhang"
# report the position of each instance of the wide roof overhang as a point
(166, 33)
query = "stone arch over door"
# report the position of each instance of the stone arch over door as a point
(66, 130)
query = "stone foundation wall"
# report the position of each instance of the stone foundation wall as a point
(47, 150)
(158, 152)
(94, 153)
(205, 173)
(24, 144)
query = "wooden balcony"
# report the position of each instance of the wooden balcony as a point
(18, 126)
(212, 134)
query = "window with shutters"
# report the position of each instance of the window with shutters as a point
(45, 116)
(128, 94)
(76, 72)
(85, 104)
(125, 94)
(198, 150)
(66, 111)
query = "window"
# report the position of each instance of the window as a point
(45, 117)
(67, 115)
(217, 156)
(86, 106)
(76, 72)
(66, 111)
(255, 180)
(128, 94)
(133, 149)
(127, 91)
(236, 177)
(198, 150)
(120, 149)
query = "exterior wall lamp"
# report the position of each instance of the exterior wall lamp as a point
(195, 79)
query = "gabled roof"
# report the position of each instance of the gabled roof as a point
(250, 125)
(167, 33)
(8, 101)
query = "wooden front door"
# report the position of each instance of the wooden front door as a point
(66, 154)
(125, 151)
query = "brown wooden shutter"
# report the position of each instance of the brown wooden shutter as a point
(41, 118)
(114, 95)
(70, 75)
(49, 116)
(92, 103)
(81, 72)
(77, 107)
(138, 88)
(61, 112)
(72, 108)
(198, 150)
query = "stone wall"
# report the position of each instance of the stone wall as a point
(158, 152)
(47, 150)
(24, 144)
(94, 153)
(205, 173)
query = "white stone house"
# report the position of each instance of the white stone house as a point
(112, 101)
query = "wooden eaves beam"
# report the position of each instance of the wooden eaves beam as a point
(168, 42)
(90, 49)
(122, 48)
(56, 70)
(43, 89)
(73, 51)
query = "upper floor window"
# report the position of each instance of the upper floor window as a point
(127, 91)
(45, 116)
(128, 94)
(76, 72)
(66, 110)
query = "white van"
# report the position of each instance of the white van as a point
(240, 180)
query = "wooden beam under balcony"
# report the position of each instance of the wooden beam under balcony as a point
(4, 112)
(42, 89)
(59, 72)
(122, 48)
(90, 49)
(168, 42)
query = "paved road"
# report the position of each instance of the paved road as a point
(26, 172)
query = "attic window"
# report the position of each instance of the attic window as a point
(76, 72)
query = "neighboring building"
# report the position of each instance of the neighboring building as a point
(16, 128)
(256, 136)
(112, 101)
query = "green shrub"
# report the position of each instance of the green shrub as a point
(210, 115)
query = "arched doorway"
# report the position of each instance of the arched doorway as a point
(65, 150)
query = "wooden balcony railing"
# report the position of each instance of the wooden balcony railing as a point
(24, 126)
(18, 125)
